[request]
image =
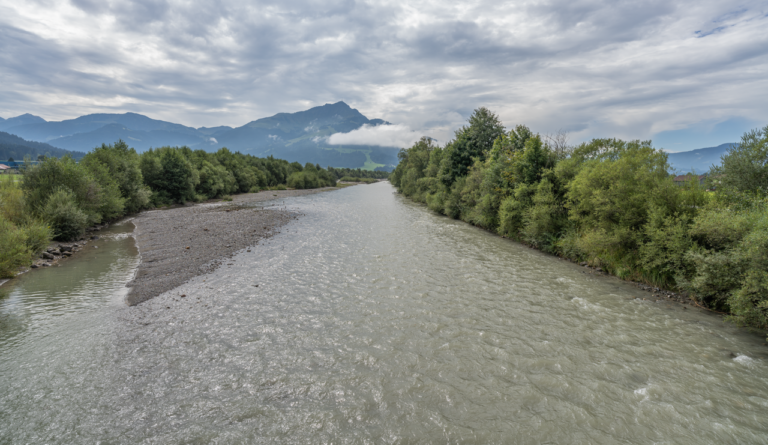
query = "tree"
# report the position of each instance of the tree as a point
(745, 166)
(122, 164)
(472, 142)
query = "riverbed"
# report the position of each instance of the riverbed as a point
(370, 319)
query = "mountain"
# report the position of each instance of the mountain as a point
(213, 130)
(19, 120)
(50, 131)
(699, 160)
(300, 136)
(138, 139)
(17, 148)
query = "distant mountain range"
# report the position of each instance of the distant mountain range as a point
(699, 161)
(298, 136)
(301, 136)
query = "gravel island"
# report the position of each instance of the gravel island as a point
(181, 243)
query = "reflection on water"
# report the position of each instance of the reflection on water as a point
(371, 320)
(94, 276)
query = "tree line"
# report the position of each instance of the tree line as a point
(58, 198)
(610, 203)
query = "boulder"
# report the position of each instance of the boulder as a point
(46, 255)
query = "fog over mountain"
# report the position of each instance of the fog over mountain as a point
(305, 136)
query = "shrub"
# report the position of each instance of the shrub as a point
(23, 235)
(14, 252)
(122, 165)
(89, 196)
(170, 175)
(66, 219)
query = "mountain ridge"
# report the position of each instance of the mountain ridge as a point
(699, 160)
(12, 146)
(300, 136)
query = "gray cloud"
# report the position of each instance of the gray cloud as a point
(597, 68)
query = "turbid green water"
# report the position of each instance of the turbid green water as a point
(375, 321)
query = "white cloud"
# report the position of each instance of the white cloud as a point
(596, 67)
(384, 135)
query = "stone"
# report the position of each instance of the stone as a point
(34, 266)
(46, 264)
(67, 254)
(95, 237)
(46, 256)
(65, 248)
(56, 252)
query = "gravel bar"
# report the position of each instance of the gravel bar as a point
(184, 242)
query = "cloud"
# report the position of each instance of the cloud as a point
(598, 67)
(384, 135)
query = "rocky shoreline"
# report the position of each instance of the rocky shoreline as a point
(184, 242)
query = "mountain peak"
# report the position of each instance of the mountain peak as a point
(24, 119)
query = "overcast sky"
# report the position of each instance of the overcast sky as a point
(688, 74)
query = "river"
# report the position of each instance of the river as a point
(370, 320)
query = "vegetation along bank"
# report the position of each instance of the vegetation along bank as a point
(59, 198)
(610, 203)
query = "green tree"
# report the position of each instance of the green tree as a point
(122, 165)
(170, 175)
(472, 142)
(744, 168)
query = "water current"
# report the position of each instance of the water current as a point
(370, 320)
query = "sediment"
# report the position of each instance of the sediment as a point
(184, 242)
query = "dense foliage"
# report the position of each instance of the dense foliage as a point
(60, 198)
(22, 236)
(610, 203)
(358, 173)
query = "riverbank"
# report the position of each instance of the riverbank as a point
(181, 243)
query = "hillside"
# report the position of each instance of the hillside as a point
(297, 136)
(699, 160)
(14, 147)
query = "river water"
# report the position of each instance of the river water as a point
(371, 320)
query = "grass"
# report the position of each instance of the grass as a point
(368, 165)
(11, 178)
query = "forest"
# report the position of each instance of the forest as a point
(611, 204)
(58, 198)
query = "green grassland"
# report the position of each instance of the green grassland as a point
(369, 164)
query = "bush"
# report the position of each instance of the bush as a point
(14, 252)
(93, 191)
(122, 165)
(357, 179)
(66, 219)
(170, 175)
